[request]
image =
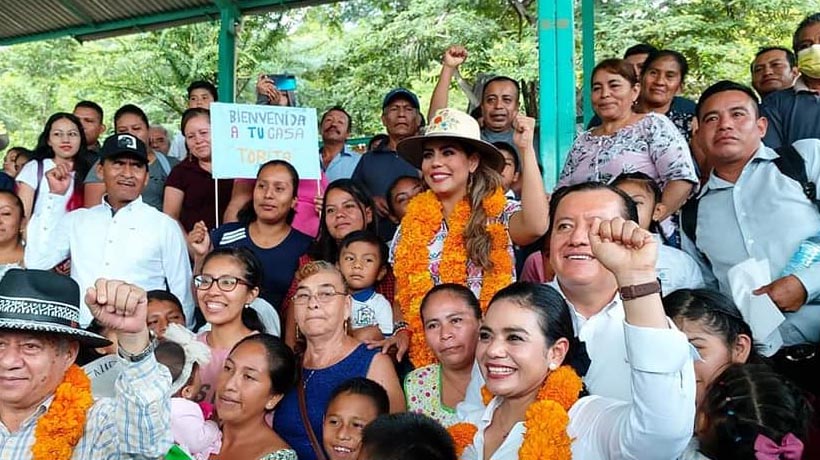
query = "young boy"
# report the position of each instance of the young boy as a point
(163, 309)
(675, 268)
(363, 262)
(512, 167)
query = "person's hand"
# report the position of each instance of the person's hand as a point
(59, 179)
(623, 248)
(266, 87)
(454, 56)
(199, 241)
(523, 133)
(788, 293)
(398, 342)
(318, 204)
(118, 306)
(382, 208)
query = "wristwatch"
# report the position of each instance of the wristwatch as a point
(640, 290)
(135, 358)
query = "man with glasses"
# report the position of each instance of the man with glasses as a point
(120, 238)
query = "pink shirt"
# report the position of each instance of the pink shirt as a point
(306, 219)
(191, 431)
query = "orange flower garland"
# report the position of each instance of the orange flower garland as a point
(462, 434)
(59, 430)
(412, 271)
(546, 419)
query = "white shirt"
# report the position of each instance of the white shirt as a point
(47, 202)
(676, 269)
(178, 149)
(137, 244)
(657, 424)
(375, 311)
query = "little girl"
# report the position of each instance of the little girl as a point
(182, 354)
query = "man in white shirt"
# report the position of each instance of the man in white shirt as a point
(120, 238)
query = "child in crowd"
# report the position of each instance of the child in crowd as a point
(164, 308)
(512, 167)
(675, 269)
(353, 404)
(182, 354)
(363, 262)
(399, 194)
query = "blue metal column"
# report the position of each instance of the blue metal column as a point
(556, 47)
(229, 16)
(588, 56)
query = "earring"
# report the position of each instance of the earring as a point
(553, 366)
(345, 325)
(298, 333)
(247, 305)
(469, 181)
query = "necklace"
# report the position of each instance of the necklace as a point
(307, 379)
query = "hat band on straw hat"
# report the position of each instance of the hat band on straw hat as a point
(46, 312)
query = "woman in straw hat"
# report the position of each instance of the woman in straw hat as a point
(464, 220)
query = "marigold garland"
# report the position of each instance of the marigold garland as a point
(59, 430)
(546, 419)
(412, 271)
(462, 434)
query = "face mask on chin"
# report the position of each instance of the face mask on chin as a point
(808, 61)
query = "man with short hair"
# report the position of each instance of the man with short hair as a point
(751, 208)
(201, 94)
(158, 139)
(773, 69)
(338, 160)
(91, 117)
(122, 237)
(46, 404)
(132, 120)
(793, 114)
(637, 54)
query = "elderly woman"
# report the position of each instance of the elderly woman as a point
(257, 373)
(321, 307)
(627, 141)
(462, 229)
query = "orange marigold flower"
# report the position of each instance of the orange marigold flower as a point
(462, 434)
(59, 430)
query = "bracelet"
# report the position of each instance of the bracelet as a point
(401, 326)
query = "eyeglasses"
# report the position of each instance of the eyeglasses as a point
(323, 297)
(62, 134)
(225, 283)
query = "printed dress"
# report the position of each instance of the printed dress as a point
(422, 389)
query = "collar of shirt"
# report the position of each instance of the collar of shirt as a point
(800, 86)
(613, 310)
(130, 205)
(365, 294)
(763, 153)
(42, 408)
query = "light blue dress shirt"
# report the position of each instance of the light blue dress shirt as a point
(342, 165)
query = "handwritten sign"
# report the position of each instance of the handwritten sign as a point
(243, 137)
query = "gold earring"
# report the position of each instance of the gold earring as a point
(298, 333)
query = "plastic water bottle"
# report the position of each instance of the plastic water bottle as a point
(807, 254)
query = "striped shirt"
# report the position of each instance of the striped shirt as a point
(135, 424)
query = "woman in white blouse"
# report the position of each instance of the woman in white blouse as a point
(526, 337)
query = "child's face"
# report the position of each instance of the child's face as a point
(191, 391)
(346, 417)
(644, 199)
(161, 313)
(508, 174)
(361, 264)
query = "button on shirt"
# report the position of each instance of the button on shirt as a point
(342, 165)
(764, 215)
(137, 244)
(136, 423)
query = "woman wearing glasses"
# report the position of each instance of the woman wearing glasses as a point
(321, 306)
(59, 153)
(228, 283)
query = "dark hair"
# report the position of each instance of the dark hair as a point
(813, 18)
(93, 106)
(629, 210)
(502, 78)
(715, 311)
(281, 361)
(133, 110)
(789, 56)
(20, 151)
(338, 108)
(407, 436)
(252, 268)
(650, 186)
(248, 214)
(171, 355)
(390, 191)
(326, 247)
(683, 65)
(640, 48)
(18, 203)
(617, 67)
(747, 400)
(553, 317)
(461, 292)
(161, 295)
(206, 85)
(365, 236)
(506, 146)
(723, 86)
(80, 160)
(364, 387)
(190, 114)
(86, 353)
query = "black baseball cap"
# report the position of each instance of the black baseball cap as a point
(124, 145)
(401, 93)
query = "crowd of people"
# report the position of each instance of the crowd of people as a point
(428, 298)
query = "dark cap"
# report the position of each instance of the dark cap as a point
(401, 93)
(124, 145)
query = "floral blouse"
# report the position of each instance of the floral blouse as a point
(284, 454)
(653, 145)
(422, 389)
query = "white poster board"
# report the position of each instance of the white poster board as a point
(243, 137)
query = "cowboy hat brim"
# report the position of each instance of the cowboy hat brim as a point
(84, 337)
(411, 149)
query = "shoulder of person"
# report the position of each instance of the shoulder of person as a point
(683, 104)
(232, 230)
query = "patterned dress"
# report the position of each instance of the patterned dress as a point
(284, 454)
(422, 389)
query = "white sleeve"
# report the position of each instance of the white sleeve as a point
(48, 237)
(384, 313)
(178, 149)
(28, 175)
(177, 267)
(658, 423)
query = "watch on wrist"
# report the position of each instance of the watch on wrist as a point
(635, 291)
(137, 357)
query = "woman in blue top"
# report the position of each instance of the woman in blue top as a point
(322, 308)
(264, 228)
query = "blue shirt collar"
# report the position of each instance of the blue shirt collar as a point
(365, 294)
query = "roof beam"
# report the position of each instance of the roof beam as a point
(77, 12)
